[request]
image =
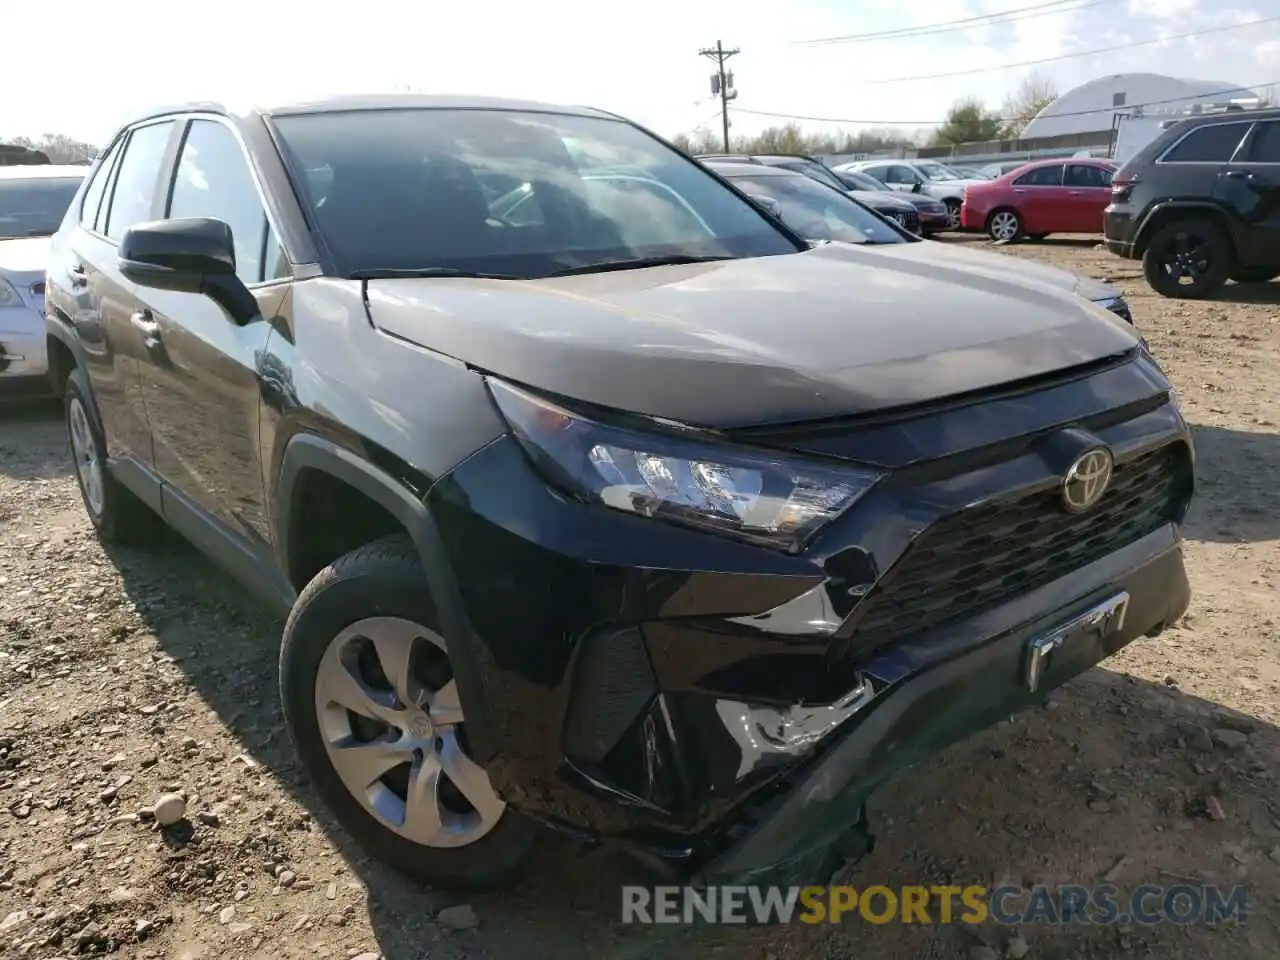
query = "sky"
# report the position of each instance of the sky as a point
(638, 60)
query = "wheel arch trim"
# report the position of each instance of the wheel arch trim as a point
(1142, 236)
(310, 452)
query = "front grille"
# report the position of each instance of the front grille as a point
(976, 559)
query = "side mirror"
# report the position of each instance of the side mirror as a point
(192, 255)
(767, 204)
(917, 187)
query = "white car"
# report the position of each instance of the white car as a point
(33, 201)
(919, 176)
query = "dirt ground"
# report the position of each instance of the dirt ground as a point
(128, 673)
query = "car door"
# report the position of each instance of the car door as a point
(1088, 187)
(200, 376)
(1250, 183)
(1041, 200)
(103, 303)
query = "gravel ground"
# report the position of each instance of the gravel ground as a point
(126, 674)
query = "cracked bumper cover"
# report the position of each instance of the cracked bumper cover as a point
(939, 690)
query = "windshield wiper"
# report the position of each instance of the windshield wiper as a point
(399, 273)
(632, 263)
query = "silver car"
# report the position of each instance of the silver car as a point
(919, 176)
(33, 201)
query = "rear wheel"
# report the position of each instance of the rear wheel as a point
(116, 514)
(370, 701)
(953, 214)
(1004, 225)
(1188, 259)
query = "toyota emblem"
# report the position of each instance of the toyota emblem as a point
(1086, 480)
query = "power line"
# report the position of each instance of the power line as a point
(966, 23)
(1074, 56)
(721, 82)
(1071, 113)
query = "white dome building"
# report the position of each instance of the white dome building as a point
(1091, 106)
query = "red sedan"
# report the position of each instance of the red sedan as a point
(1040, 198)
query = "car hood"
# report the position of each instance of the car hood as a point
(24, 254)
(837, 330)
(881, 201)
(999, 265)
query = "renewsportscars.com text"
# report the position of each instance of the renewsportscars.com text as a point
(1099, 905)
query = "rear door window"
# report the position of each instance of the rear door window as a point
(1213, 143)
(97, 187)
(1087, 176)
(1266, 143)
(1050, 176)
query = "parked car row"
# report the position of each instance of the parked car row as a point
(647, 500)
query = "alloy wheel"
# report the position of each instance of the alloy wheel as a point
(393, 728)
(1186, 258)
(1005, 226)
(953, 215)
(84, 448)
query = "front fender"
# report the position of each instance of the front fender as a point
(307, 451)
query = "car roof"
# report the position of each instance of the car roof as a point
(40, 171)
(390, 101)
(728, 168)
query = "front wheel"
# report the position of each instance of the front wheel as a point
(371, 704)
(953, 214)
(1188, 260)
(1004, 226)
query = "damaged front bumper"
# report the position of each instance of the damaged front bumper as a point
(942, 688)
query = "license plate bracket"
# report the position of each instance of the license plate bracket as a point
(1098, 622)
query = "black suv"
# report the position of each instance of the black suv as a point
(631, 514)
(1200, 204)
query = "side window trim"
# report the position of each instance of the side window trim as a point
(272, 228)
(1247, 124)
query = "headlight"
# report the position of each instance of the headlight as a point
(1117, 305)
(752, 495)
(8, 295)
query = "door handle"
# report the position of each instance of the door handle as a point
(146, 323)
(1073, 193)
(1239, 174)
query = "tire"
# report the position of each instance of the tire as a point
(373, 602)
(1036, 236)
(1004, 225)
(953, 213)
(117, 515)
(1256, 275)
(1194, 250)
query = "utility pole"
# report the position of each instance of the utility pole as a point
(722, 82)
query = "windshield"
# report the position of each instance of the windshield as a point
(936, 171)
(510, 193)
(35, 207)
(817, 212)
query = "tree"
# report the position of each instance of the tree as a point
(1033, 95)
(968, 121)
(791, 138)
(60, 148)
